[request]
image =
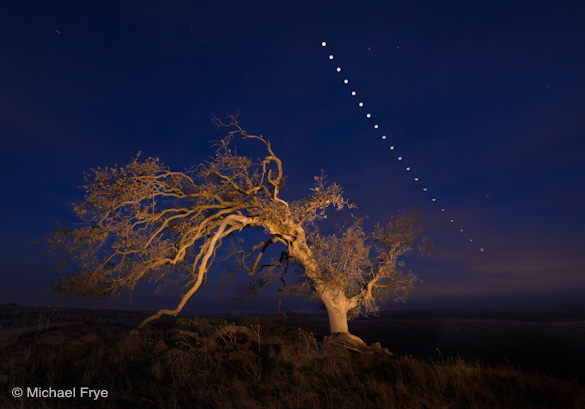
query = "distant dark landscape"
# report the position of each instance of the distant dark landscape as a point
(437, 358)
(551, 340)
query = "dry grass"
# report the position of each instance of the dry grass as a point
(208, 363)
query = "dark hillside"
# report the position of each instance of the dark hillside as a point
(285, 362)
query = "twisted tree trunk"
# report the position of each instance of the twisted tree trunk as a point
(336, 303)
(337, 306)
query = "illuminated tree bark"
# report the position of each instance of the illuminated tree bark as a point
(337, 307)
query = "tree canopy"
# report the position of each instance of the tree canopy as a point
(146, 222)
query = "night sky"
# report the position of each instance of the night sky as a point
(486, 103)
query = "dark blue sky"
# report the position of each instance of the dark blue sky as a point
(485, 102)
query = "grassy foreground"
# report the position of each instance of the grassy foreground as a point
(209, 363)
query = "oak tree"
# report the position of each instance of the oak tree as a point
(146, 222)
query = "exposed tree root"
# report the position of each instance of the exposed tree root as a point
(354, 343)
